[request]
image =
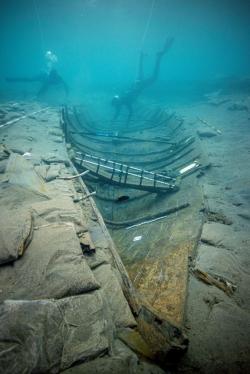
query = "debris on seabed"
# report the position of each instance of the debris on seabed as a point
(137, 238)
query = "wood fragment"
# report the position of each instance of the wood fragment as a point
(127, 286)
(209, 125)
(77, 199)
(147, 218)
(74, 176)
(218, 282)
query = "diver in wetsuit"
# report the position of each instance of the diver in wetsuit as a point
(47, 79)
(128, 98)
(52, 78)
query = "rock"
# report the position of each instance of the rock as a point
(4, 152)
(218, 217)
(116, 365)
(49, 172)
(122, 361)
(220, 235)
(30, 337)
(206, 133)
(121, 313)
(238, 106)
(88, 331)
(52, 267)
(96, 259)
(57, 139)
(3, 165)
(2, 112)
(233, 325)
(18, 150)
(218, 262)
(49, 336)
(22, 173)
(56, 132)
(16, 230)
(53, 172)
(50, 159)
(42, 170)
(58, 210)
(218, 102)
(245, 215)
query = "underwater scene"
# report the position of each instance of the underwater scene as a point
(124, 186)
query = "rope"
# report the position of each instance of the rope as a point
(148, 23)
(23, 117)
(39, 26)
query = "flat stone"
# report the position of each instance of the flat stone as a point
(122, 361)
(50, 159)
(4, 152)
(48, 336)
(220, 235)
(22, 173)
(245, 215)
(108, 279)
(56, 132)
(206, 133)
(53, 172)
(89, 327)
(3, 164)
(60, 209)
(30, 337)
(218, 262)
(16, 229)
(53, 267)
(238, 107)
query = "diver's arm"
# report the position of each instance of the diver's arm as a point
(35, 78)
(117, 112)
(130, 112)
(65, 87)
(43, 89)
(158, 59)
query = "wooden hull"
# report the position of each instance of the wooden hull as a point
(154, 232)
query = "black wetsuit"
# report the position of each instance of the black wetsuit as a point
(128, 98)
(47, 80)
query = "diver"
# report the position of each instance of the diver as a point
(128, 98)
(48, 79)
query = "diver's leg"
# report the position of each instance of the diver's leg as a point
(117, 112)
(141, 64)
(130, 113)
(43, 89)
(66, 88)
(144, 83)
(158, 59)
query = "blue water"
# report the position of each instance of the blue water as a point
(97, 43)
